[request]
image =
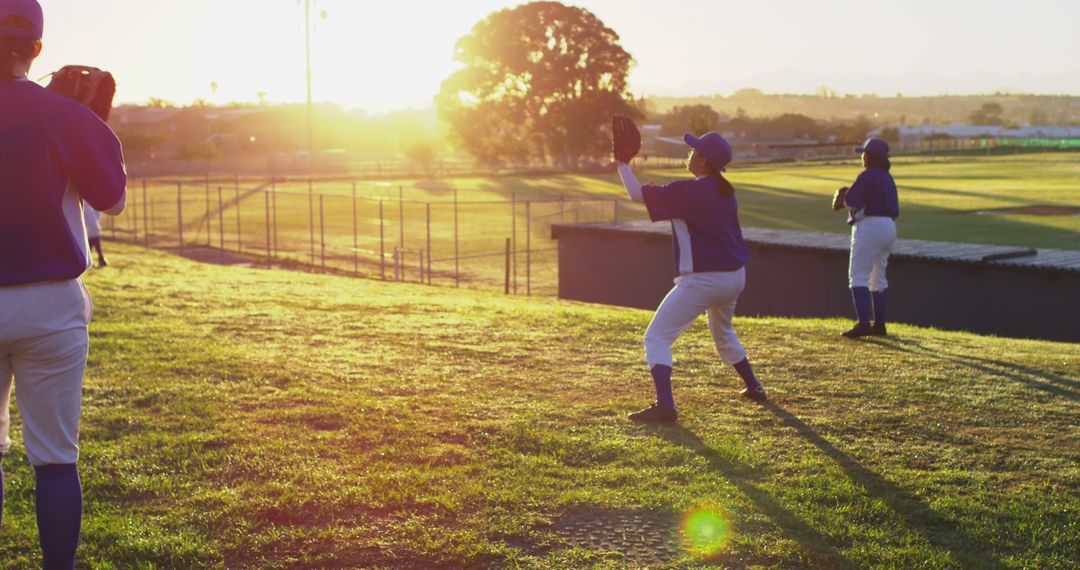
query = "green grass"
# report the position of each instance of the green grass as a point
(239, 418)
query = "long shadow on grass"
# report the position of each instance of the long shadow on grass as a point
(1045, 381)
(813, 542)
(918, 516)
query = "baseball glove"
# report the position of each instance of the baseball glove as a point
(625, 138)
(87, 85)
(838, 199)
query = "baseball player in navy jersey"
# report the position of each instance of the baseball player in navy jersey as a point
(49, 145)
(873, 207)
(710, 260)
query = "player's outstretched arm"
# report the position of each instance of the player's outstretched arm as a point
(630, 182)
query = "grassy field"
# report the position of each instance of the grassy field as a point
(242, 418)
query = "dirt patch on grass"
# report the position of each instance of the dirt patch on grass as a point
(644, 537)
(1033, 211)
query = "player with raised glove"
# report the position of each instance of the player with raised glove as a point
(710, 258)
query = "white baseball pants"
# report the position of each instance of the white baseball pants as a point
(713, 293)
(872, 240)
(43, 348)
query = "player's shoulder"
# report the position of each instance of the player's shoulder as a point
(65, 108)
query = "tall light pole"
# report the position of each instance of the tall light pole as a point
(307, 45)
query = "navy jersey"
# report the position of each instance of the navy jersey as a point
(705, 224)
(874, 192)
(50, 147)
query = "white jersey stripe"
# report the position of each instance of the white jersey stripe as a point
(686, 256)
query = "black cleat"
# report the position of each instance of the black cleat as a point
(879, 330)
(655, 414)
(859, 330)
(756, 394)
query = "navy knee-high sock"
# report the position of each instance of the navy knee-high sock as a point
(661, 376)
(59, 513)
(881, 304)
(861, 297)
(747, 374)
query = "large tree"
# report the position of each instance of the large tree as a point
(539, 82)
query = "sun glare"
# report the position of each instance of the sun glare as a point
(705, 531)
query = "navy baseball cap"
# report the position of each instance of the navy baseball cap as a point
(713, 147)
(874, 146)
(21, 19)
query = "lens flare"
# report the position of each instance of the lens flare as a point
(705, 531)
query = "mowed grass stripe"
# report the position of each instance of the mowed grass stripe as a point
(266, 419)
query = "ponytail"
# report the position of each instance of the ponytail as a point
(722, 184)
(878, 161)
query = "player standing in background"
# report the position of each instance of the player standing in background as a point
(49, 145)
(710, 260)
(93, 232)
(873, 207)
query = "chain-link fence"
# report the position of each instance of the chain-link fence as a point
(472, 239)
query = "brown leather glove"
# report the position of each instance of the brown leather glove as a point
(625, 138)
(838, 199)
(87, 85)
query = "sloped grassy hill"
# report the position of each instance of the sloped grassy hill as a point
(244, 418)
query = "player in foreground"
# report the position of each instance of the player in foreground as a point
(710, 259)
(49, 145)
(873, 207)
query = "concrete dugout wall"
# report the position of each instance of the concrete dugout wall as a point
(987, 289)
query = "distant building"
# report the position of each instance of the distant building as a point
(982, 136)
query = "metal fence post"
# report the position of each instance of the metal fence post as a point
(401, 216)
(428, 245)
(513, 236)
(209, 237)
(153, 218)
(322, 233)
(506, 270)
(457, 258)
(134, 218)
(180, 217)
(311, 220)
(145, 221)
(382, 242)
(239, 234)
(269, 258)
(221, 219)
(273, 208)
(355, 241)
(528, 248)
(206, 186)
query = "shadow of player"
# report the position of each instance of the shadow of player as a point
(919, 517)
(815, 545)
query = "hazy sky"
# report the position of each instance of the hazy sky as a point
(390, 55)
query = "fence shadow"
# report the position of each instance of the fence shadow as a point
(1037, 379)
